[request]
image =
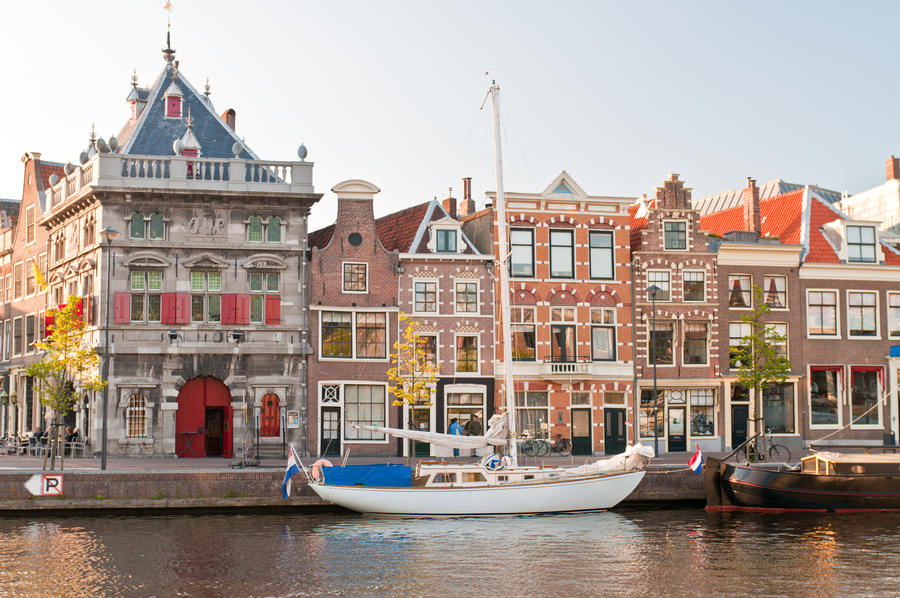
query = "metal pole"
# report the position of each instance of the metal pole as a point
(106, 357)
(655, 395)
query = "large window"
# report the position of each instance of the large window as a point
(703, 415)
(466, 297)
(646, 416)
(462, 406)
(521, 247)
(264, 289)
(562, 254)
(602, 254)
(603, 334)
(466, 353)
(737, 331)
(675, 234)
(206, 297)
(864, 409)
(29, 279)
(136, 417)
(695, 340)
(364, 405)
(821, 313)
(425, 296)
(355, 278)
(893, 314)
(141, 227)
(778, 408)
(18, 336)
(824, 402)
(18, 279)
(775, 291)
(446, 240)
(533, 414)
(29, 225)
(523, 332)
(860, 243)
(428, 344)
(694, 286)
(562, 334)
(862, 319)
(354, 335)
(659, 278)
(777, 334)
(660, 348)
(270, 230)
(739, 291)
(29, 333)
(146, 295)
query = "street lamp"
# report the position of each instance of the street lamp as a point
(653, 290)
(108, 235)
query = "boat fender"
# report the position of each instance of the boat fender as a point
(317, 468)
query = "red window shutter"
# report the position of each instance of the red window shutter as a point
(242, 312)
(228, 308)
(168, 308)
(173, 106)
(182, 308)
(122, 310)
(273, 309)
(48, 322)
(79, 310)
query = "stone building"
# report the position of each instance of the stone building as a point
(207, 330)
(678, 333)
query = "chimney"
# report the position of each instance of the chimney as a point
(450, 203)
(892, 166)
(228, 117)
(751, 207)
(467, 206)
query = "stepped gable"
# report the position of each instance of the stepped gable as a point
(395, 231)
(152, 133)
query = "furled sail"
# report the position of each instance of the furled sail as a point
(497, 434)
(635, 458)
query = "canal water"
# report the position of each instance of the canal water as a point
(625, 552)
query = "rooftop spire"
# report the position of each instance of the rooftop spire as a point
(169, 53)
(134, 78)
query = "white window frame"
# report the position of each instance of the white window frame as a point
(668, 274)
(437, 296)
(131, 411)
(550, 246)
(842, 397)
(29, 215)
(837, 314)
(478, 349)
(437, 347)
(606, 325)
(889, 318)
(612, 254)
(877, 335)
(477, 284)
(343, 266)
(13, 351)
(787, 336)
(875, 243)
(683, 291)
(787, 298)
(546, 410)
(461, 389)
(456, 237)
(796, 432)
(749, 290)
(353, 328)
(684, 340)
(341, 404)
(879, 394)
(686, 239)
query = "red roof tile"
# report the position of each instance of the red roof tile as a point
(49, 168)
(637, 223)
(780, 218)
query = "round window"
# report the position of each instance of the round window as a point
(355, 239)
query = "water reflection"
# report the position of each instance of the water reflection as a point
(624, 552)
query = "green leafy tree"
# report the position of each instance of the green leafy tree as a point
(68, 363)
(757, 360)
(413, 374)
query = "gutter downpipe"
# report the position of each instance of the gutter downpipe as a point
(635, 417)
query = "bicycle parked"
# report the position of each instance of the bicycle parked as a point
(762, 448)
(538, 447)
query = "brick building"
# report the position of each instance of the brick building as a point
(671, 253)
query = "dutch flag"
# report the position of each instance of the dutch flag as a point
(293, 468)
(696, 462)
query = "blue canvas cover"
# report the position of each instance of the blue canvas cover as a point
(395, 476)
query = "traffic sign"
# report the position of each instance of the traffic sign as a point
(45, 484)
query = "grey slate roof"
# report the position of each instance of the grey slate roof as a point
(153, 134)
(732, 197)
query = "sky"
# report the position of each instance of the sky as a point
(618, 94)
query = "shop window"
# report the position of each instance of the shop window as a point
(467, 353)
(602, 254)
(425, 296)
(824, 400)
(702, 412)
(466, 297)
(864, 410)
(695, 337)
(675, 235)
(821, 313)
(533, 414)
(206, 296)
(647, 409)
(860, 243)
(779, 408)
(694, 286)
(136, 416)
(562, 253)
(660, 279)
(603, 334)
(660, 350)
(521, 258)
(146, 295)
(365, 405)
(523, 334)
(862, 319)
(739, 291)
(775, 291)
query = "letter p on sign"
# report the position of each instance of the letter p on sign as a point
(46, 484)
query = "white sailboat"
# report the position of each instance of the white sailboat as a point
(436, 488)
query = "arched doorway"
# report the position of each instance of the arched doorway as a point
(271, 416)
(203, 420)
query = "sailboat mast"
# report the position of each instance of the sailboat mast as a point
(503, 249)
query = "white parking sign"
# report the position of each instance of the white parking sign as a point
(45, 484)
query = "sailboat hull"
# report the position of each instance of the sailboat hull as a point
(579, 494)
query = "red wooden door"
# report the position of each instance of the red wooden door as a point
(194, 397)
(271, 416)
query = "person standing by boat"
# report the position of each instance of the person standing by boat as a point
(456, 430)
(473, 426)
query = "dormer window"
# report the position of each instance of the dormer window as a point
(172, 100)
(446, 241)
(860, 243)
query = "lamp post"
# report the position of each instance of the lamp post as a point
(108, 235)
(4, 401)
(652, 290)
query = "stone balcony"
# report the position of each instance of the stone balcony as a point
(108, 170)
(571, 371)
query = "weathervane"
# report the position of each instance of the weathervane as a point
(169, 53)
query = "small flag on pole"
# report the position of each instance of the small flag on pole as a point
(293, 468)
(38, 275)
(696, 462)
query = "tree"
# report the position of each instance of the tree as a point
(414, 372)
(758, 361)
(68, 365)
